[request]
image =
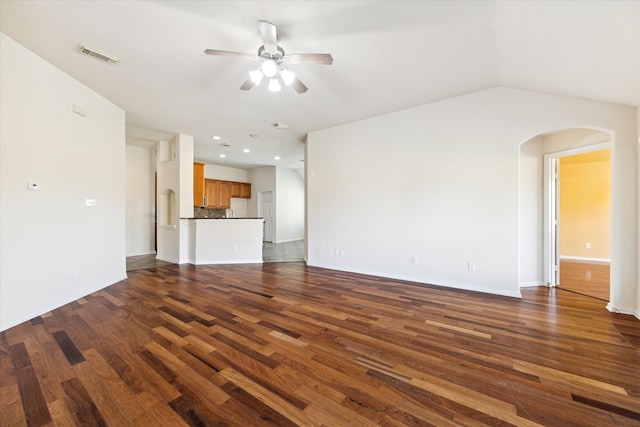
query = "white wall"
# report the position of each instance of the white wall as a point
(637, 306)
(289, 205)
(261, 179)
(53, 248)
(288, 200)
(140, 205)
(453, 167)
(531, 214)
(175, 198)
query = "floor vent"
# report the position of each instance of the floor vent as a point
(101, 56)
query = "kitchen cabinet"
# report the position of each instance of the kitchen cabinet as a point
(224, 195)
(245, 190)
(218, 194)
(211, 193)
(235, 189)
(198, 184)
(241, 190)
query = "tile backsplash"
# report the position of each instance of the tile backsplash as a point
(208, 213)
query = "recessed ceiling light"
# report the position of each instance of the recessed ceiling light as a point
(216, 137)
(280, 126)
(276, 158)
(254, 135)
(246, 150)
(222, 156)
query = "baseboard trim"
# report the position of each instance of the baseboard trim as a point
(622, 310)
(531, 284)
(586, 259)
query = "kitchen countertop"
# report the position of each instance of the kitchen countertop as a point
(235, 217)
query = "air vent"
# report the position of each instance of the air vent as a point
(280, 126)
(101, 56)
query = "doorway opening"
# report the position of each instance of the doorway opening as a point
(578, 218)
(265, 210)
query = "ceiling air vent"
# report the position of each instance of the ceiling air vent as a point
(280, 126)
(101, 56)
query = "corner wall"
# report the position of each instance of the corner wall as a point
(175, 198)
(289, 206)
(140, 206)
(53, 247)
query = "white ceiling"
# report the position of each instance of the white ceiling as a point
(388, 55)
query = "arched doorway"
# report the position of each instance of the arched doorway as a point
(540, 260)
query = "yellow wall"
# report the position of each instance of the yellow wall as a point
(585, 204)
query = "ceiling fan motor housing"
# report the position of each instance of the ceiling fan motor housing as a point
(276, 56)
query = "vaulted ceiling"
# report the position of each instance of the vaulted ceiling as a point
(388, 56)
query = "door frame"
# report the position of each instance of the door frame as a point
(551, 208)
(261, 213)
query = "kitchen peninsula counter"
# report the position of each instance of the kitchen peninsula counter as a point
(225, 240)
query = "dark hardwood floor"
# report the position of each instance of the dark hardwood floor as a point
(587, 278)
(286, 344)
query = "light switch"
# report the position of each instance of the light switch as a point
(32, 185)
(90, 202)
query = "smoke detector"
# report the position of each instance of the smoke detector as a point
(100, 56)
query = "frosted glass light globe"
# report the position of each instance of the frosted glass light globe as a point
(269, 68)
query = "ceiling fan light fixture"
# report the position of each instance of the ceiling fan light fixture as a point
(287, 76)
(256, 76)
(274, 85)
(269, 68)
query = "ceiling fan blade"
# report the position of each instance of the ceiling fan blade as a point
(269, 36)
(248, 84)
(216, 52)
(309, 58)
(299, 86)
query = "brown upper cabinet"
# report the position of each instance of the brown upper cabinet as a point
(245, 190)
(215, 193)
(235, 189)
(198, 184)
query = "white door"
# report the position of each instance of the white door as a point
(265, 210)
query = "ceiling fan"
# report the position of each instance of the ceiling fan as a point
(273, 61)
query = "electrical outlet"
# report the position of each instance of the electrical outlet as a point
(471, 266)
(413, 260)
(587, 245)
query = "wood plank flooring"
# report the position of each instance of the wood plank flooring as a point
(285, 344)
(587, 278)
